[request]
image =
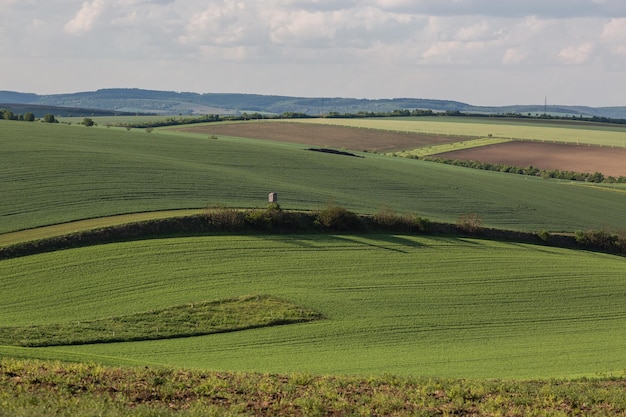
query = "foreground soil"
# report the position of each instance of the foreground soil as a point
(37, 388)
(548, 156)
(355, 139)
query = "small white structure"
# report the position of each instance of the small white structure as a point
(272, 198)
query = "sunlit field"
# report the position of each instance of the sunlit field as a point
(392, 304)
(57, 173)
(551, 132)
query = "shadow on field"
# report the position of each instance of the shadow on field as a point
(314, 241)
(385, 240)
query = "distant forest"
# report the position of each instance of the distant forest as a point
(134, 101)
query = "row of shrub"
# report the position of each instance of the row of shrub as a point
(596, 177)
(209, 118)
(331, 219)
(603, 240)
(26, 117)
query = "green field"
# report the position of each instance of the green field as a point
(542, 131)
(448, 147)
(394, 304)
(104, 121)
(54, 174)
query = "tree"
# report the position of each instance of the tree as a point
(87, 121)
(29, 117)
(8, 115)
(49, 118)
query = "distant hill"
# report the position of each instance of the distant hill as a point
(40, 110)
(170, 102)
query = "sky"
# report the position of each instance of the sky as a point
(481, 52)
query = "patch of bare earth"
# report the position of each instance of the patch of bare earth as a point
(548, 156)
(357, 139)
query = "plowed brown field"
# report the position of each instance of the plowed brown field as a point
(577, 158)
(355, 139)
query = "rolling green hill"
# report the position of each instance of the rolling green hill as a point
(393, 304)
(58, 173)
(388, 306)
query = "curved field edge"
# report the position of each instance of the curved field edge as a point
(45, 232)
(274, 220)
(30, 387)
(56, 174)
(188, 320)
(396, 303)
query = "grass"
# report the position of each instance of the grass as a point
(456, 146)
(36, 388)
(195, 319)
(394, 304)
(506, 129)
(103, 121)
(55, 174)
(27, 235)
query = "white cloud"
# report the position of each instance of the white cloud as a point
(615, 30)
(85, 18)
(577, 54)
(400, 46)
(228, 23)
(515, 56)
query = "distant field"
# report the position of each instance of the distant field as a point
(54, 174)
(393, 304)
(114, 120)
(576, 158)
(541, 153)
(322, 135)
(448, 126)
(449, 147)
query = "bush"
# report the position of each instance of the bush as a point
(422, 224)
(602, 239)
(225, 219)
(386, 218)
(49, 118)
(335, 217)
(265, 219)
(544, 235)
(470, 223)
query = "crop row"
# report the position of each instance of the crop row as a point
(394, 303)
(56, 173)
(584, 134)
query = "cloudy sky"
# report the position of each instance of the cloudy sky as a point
(483, 52)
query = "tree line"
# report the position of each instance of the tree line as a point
(530, 170)
(26, 117)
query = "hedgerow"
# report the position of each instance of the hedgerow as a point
(530, 170)
(333, 218)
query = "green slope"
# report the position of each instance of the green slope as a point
(57, 173)
(393, 304)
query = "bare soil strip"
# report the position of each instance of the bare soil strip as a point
(548, 156)
(357, 139)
